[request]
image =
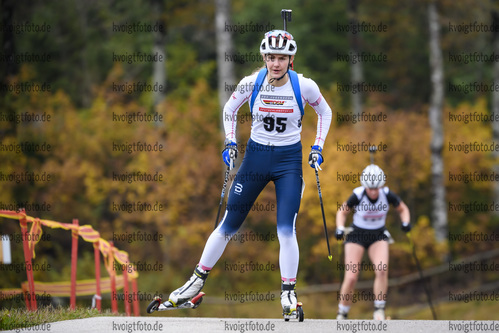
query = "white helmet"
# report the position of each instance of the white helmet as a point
(372, 177)
(278, 42)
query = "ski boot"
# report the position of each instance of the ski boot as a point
(291, 309)
(379, 314)
(341, 316)
(187, 296)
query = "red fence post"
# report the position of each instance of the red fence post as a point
(136, 310)
(97, 276)
(74, 262)
(114, 302)
(125, 290)
(31, 304)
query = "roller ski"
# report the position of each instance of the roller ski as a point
(189, 296)
(294, 314)
(158, 305)
(291, 309)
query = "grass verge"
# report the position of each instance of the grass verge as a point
(12, 319)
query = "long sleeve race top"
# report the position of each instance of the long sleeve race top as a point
(276, 117)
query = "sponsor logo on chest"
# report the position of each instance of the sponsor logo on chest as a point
(273, 101)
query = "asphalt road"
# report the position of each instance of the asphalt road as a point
(202, 325)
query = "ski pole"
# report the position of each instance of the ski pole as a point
(340, 256)
(330, 257)
(340, 244)
(421, 275)
(222, 195)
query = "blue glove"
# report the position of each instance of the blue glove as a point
(315, 156)
(229, 154)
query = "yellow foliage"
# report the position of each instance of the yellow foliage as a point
(84, 164)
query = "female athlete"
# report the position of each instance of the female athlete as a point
(276, 95)
(370, 204)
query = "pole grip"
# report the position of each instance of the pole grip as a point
(372, 150)
(286, 16)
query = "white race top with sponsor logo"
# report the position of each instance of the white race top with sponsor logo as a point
(368, 215)
(276, 117)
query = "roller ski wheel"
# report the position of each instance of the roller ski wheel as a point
(297, 314)
(153, 306)
(158, 305)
